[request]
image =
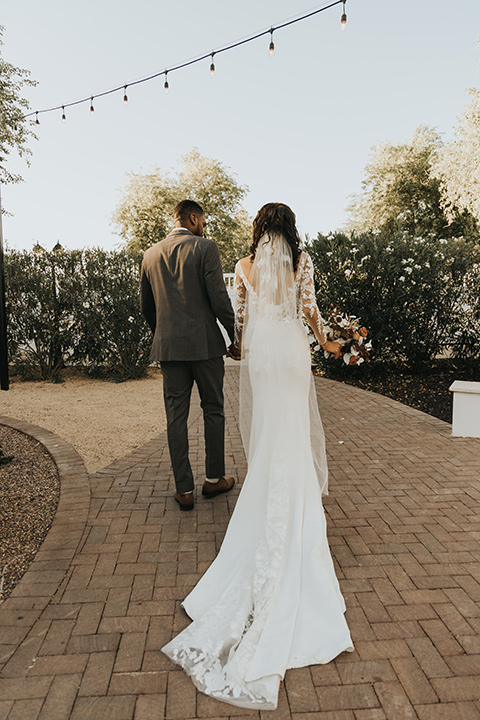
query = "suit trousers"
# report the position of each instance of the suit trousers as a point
(178, 379)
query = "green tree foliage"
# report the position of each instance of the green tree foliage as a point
(458, 164)
(144, 215)
(41, 292)
(113, 337)
(466, 341)
(409, 292)
(15, 130)
(77, 308)
(399, 187)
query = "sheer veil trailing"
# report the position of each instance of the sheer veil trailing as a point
(272, 305)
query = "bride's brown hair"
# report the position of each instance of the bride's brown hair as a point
(276, 219)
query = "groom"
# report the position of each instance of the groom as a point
(182, 293)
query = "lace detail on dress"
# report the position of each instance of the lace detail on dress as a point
(240, 286)
(307, 295)
(217, 650)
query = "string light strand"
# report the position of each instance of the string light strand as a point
(193, 61)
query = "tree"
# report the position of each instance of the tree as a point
(145, 214)
(15, 129)
(458, 164)
(399, 189)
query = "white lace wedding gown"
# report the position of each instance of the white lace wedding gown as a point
(271, 600)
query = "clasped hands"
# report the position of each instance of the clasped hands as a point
(234, 352)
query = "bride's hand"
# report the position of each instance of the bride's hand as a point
(335, 348)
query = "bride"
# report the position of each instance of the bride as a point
(271, 600)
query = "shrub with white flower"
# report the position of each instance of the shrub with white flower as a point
(407, 291)
(77, 308)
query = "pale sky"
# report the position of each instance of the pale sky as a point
(297, 128)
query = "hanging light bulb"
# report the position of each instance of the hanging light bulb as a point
(37, 121)
(344, 16)
(165, 85)
(64, 117)
(212, 67)
(92, 109)
(271, 47)
(125, 98)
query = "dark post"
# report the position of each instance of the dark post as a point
(3, 317)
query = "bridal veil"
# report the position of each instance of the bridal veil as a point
(268, 302)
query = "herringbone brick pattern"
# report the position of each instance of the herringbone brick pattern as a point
(80, 637)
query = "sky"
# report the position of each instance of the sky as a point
(297, 128)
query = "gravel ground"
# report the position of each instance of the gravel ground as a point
(103, 420)
(29, 493)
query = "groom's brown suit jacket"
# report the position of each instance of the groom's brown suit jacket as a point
(182, 293)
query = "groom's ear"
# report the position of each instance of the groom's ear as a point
(193, 220)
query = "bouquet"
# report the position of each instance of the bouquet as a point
(347, 331)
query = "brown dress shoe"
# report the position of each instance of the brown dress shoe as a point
(225, 484)
(185, 501)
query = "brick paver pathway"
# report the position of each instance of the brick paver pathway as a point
(80, 636)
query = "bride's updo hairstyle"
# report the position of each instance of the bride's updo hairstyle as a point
(276, 219)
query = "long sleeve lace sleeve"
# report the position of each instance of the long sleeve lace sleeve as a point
(309, 302)
(240, 306)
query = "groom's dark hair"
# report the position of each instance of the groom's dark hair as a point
(185, 208)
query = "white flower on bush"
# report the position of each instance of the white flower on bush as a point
(408, 270)
(401, 278)
(86, 305)
(131, 319)
(348, 272)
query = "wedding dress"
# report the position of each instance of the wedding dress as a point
(271, 600)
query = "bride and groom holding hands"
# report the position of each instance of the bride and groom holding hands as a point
(271, 600)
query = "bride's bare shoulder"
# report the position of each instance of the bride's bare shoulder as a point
(245, 263)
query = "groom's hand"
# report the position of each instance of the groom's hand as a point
(234, 352)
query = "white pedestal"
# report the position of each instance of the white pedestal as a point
(466, 408)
